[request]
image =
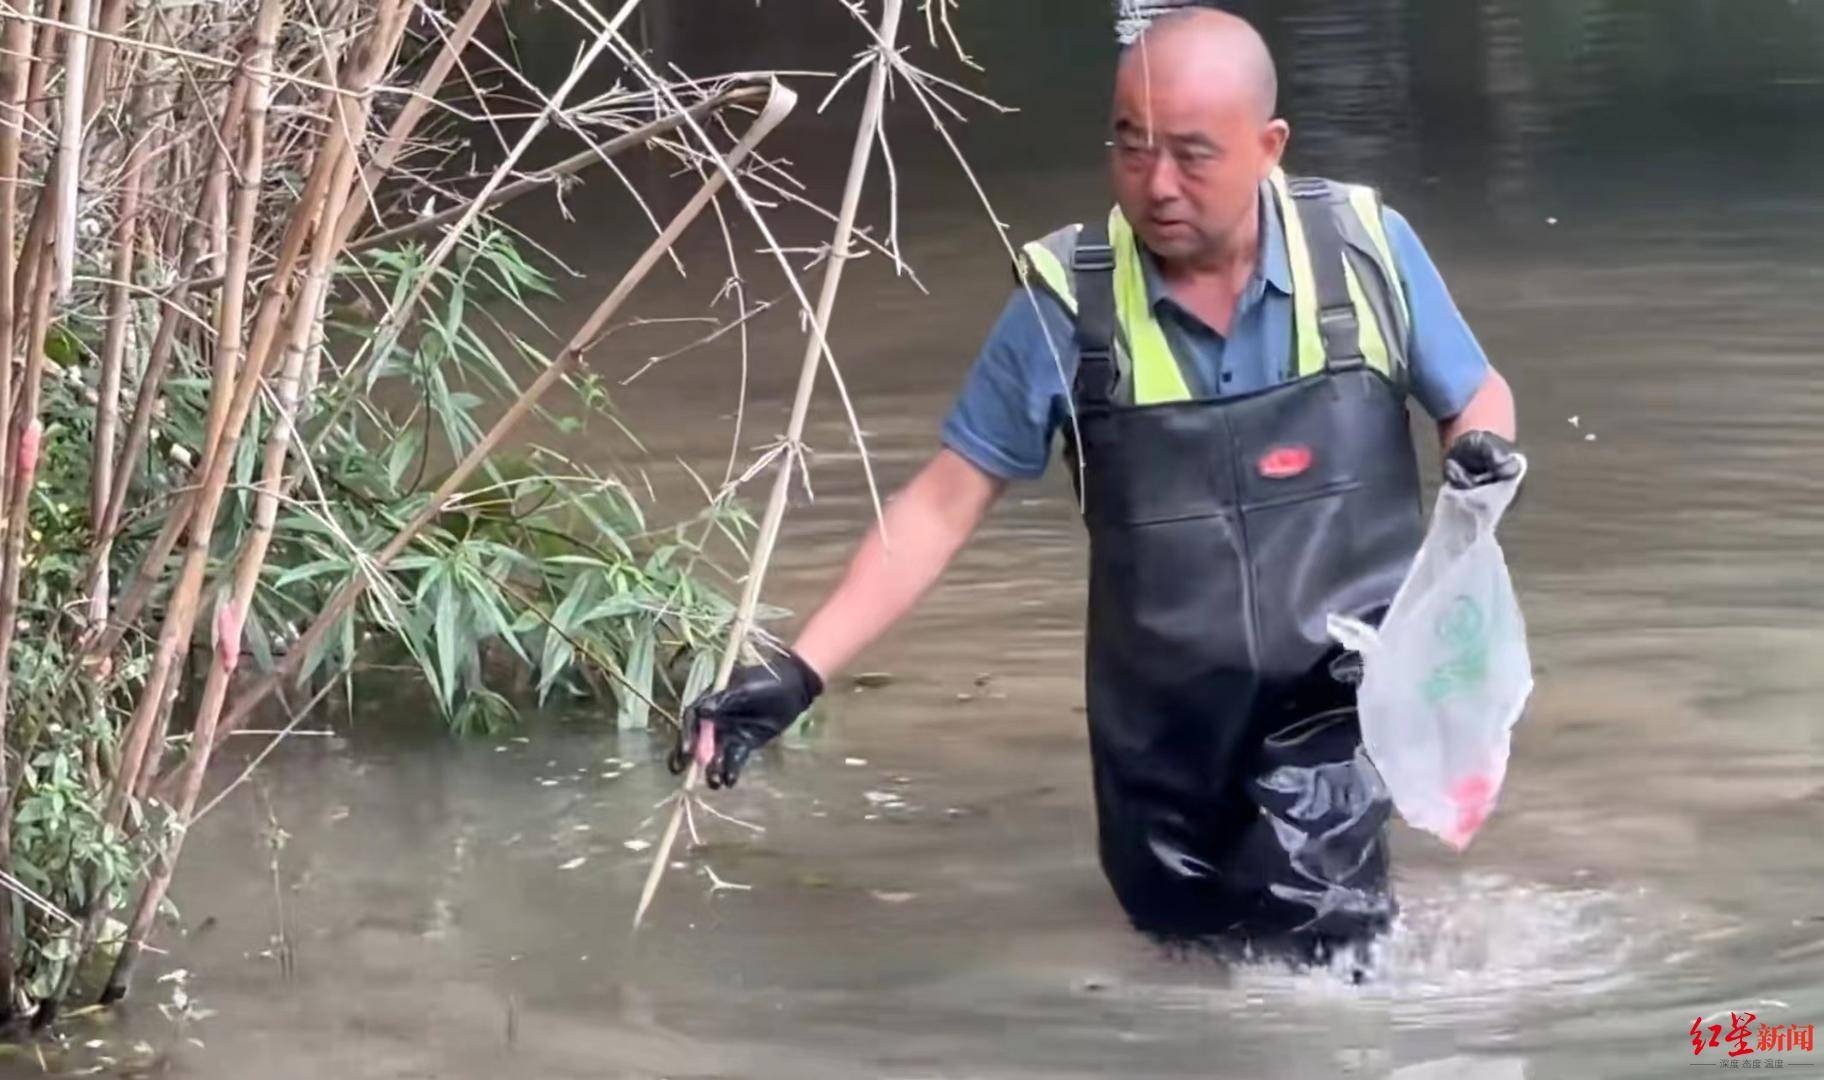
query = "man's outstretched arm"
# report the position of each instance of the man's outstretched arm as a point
(925, 525)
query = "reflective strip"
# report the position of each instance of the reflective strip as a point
(1041, 262)
(1310, 343)
(1368, 209)
(1156, 377)
(1368, 325)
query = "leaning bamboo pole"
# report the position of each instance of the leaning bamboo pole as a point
(44, 55)
(866, 135)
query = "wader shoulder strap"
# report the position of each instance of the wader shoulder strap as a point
(1092, 267)
(1318, 203)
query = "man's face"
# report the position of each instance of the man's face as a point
(1189, 155)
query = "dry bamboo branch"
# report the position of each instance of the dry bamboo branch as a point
(387, 333)
(778, 105)
(567, 167)
(807, 381)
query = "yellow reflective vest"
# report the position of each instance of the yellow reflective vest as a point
(1150, 374)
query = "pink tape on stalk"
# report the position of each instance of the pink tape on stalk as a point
(228, 636)
(1474, 797)
(28, 451)
(706, 744)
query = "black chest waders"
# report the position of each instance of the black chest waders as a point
(1233, 797)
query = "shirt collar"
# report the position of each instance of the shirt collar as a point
(1273, 266)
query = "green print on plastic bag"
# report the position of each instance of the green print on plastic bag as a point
(1464, 628)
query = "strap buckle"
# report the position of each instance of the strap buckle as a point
(1341, 333)
(1097, 376)
(1093, 258)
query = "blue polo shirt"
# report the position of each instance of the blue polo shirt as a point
(1016, 396)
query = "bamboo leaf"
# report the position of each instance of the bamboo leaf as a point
(450, 642)
(313, 569)
(254, 635)
(401, 455)
(633, 711)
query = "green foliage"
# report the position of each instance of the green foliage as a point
(541, 560)
(544, 578)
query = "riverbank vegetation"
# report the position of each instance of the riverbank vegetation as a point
(279, 406)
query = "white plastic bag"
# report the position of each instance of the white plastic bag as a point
(1447, 675)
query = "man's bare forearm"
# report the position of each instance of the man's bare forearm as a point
(926, 524)
(1491, 409)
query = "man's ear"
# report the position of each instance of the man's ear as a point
(1273, 139)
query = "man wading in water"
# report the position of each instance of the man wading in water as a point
(1239, 347)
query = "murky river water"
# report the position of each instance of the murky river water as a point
(1624, 197)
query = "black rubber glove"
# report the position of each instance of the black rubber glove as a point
(759, 702)
(1478, 458)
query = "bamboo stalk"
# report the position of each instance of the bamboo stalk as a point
(69, 144)
(113, 357)
(216, 251)
(33, 248)
(12, 96)
(378, 49)
(17, 37)
(181, 614)
(865, 138)
(780, 102)
(387, 155)
(152, 381)
(24, 453)
(44, 57)
(108, 21)
(266, 325)
(231, 617)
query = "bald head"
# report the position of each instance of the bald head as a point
(1194, 136)
(1214, 47)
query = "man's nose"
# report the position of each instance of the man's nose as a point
(1162, 179)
